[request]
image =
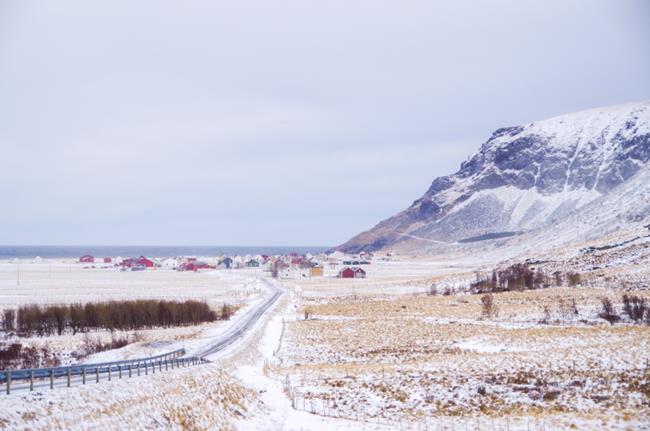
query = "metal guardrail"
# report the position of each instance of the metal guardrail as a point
(175, 359)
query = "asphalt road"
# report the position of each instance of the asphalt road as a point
(245, 323)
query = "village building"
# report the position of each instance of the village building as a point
(87, 259)
(225, 263)
(252, 264)
(352, 272)
(316, 271)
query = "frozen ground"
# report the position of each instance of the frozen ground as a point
(380, 354)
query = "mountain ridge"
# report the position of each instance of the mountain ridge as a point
(524, 177)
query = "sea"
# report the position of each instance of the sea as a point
(75, 251)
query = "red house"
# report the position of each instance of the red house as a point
(87, 259)
(144, 262)
(195, 266)
(107, 260)
(353, 272)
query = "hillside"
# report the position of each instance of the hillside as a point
(522, 179)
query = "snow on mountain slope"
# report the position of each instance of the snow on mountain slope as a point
(523, 178)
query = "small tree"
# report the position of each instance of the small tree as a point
(488, 307)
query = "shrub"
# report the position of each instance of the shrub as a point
(9, 320)
(226, 312)
(515, 277)
(115, 315)
(573, 278)
(635, 307)
(488, 307)
(608, 313)
(17, 356)
(433, 290)
(567, 309)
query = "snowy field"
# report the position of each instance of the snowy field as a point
(373, 354)
(61, 281)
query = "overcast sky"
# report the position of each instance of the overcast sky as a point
(278, 122)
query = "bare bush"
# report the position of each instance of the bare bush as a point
(635, 307)
(488, 307)
(573, 278)
(115, 315)
(433, 290)
(9, 320)
(567, 309)
(226, 312)
(516, 277)
(18, 356)
(608, 312)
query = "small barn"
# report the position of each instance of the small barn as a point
(316, 271)
(252, 264)
(108, 260)
(87, 259)
(352, 272)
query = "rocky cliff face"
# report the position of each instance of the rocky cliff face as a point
(523, 178)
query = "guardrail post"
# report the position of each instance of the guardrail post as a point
(109, 373)
(8, 379)
(120, 370)
(83, 375)
(31, 380)
(51, 379)
(138, 367)
(160, 365)
(97, 374)
(153, 367)
(166, 364)
(130, 370)
(146, 368)
(69, 375)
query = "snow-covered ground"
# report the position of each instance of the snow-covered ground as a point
(378, 354)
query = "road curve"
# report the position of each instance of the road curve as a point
(245, 323)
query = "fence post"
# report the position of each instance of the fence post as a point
(83, 375)
(138, 367)
(109, 372)
(51, 379)
(129, 370)
(96, 374)
(8, 378)
(166, 364)
(31, 380)
(69, 376)
(153, 367)
(146, 368)
(160, 365)
(120, 370)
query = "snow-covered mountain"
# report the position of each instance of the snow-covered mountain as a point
(524, 178)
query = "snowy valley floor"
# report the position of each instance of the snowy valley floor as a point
(382, 354)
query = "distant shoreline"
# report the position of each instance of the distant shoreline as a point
(75, 251)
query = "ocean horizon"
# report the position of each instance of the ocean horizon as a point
(74, 251)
